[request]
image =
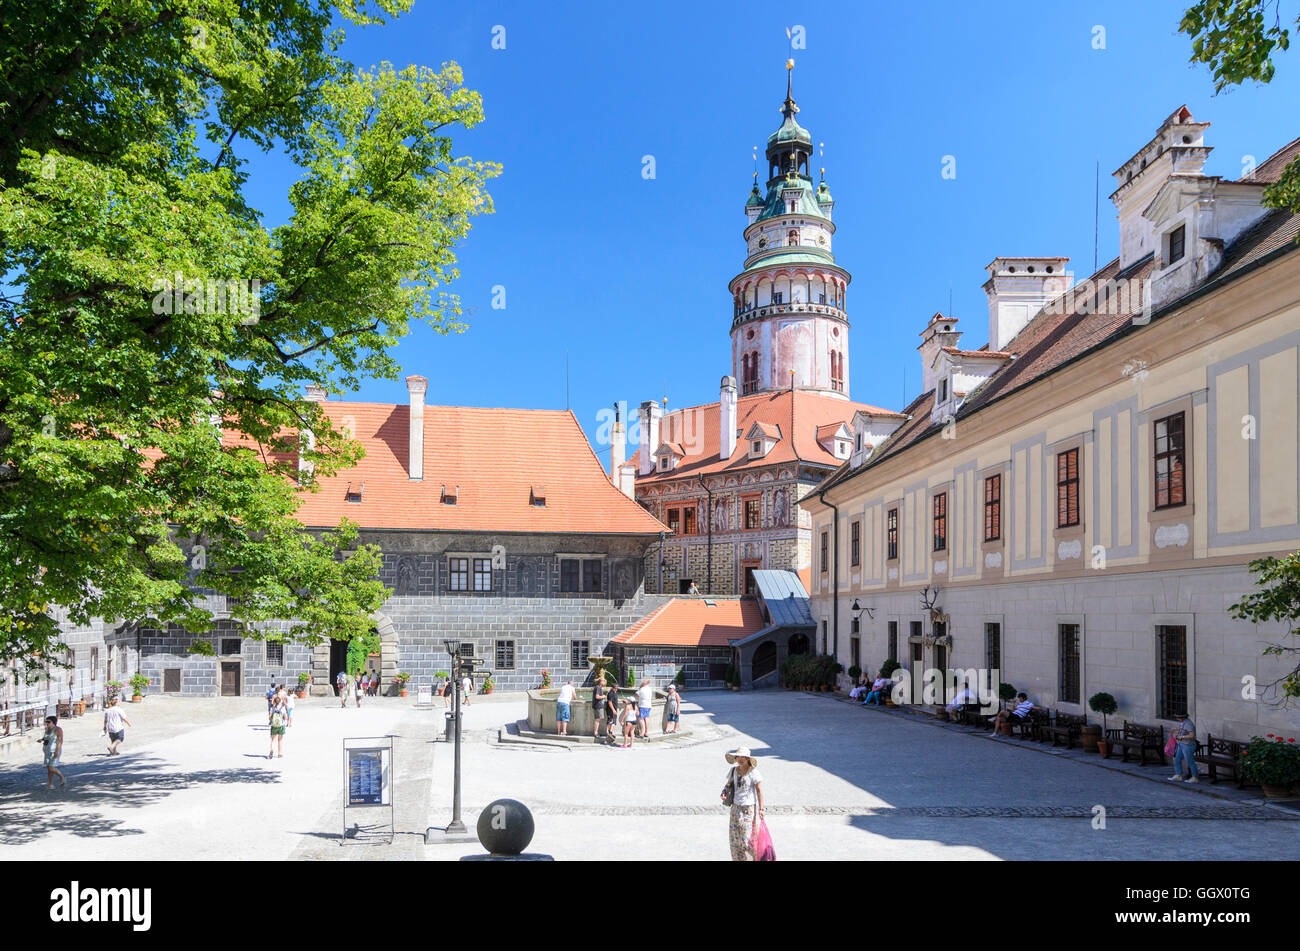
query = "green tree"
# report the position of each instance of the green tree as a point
(1277, 600)
(124, 232)
(359, 650)
(1237, 40)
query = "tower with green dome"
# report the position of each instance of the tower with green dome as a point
(789, 326)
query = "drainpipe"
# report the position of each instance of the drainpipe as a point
(835, 577)
(662, 535)
(709, 515)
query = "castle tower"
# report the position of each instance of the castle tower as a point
(789, 325)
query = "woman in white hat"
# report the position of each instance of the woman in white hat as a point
(746, 805)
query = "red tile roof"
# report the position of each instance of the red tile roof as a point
(499, 458)
(695, 622)
(791, 416)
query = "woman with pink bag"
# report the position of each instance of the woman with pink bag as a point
(746, 828)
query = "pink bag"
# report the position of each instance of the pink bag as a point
(762, 844)
(1172, 746)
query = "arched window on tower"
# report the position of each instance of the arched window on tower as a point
(837, 370)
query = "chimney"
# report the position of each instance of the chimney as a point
(306, 438)
(1017, 289)
(938, 333)
(727, 418)
(1177, 149)
(315, 394)
(648, 416)
(617, 444)
(416, 386)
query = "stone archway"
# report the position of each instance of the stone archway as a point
(321, 683)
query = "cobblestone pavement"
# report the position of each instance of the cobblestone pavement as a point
(840, 783)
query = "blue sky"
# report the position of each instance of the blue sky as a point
(627, 276)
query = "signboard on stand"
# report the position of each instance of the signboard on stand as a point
(368, 777)
(424, 695)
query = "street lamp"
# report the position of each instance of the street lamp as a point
(858, 609)
(459, 665)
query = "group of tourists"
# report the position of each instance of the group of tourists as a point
(364, 684)
(624, 717)
(115, 724)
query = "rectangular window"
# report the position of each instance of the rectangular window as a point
(1069, 638)
(855, 625)
(939, 505)
(750, 585)
(466, 649)
(1067, 488)
(482, 574)
(570, 574)
(891, 535)
(1177, 244)
(943, 390)
(855, 543)
(591, 574)
(230, 646)
(1173, 670)
(826, 547)
(688, 521)
(459, 573)
(993, 646)
(893, 641)
(753, 513)
(505, 651)
(1171, 476)
(674, 521)
(917, 654)
(778, 297)
(274, 654)
(993, 508)
(94, 664)
(578, 652)
(915, 628)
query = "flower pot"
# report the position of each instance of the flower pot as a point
(136, 698)
(1103, 747)
(301, 693)
(403, 692)
(1275, 792)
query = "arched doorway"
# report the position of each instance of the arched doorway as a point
(331, 656)
(764, 661)
(798, 644)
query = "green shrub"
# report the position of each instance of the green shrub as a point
(631, 677)
(1272, 761)
(1104, 704)
(888, 667)
(854, 673)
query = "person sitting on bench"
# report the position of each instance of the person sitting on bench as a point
(878, 691)
(964, 696)
(1021, 712)
(860, 691)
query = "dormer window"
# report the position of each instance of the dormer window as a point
(449, 494)
(664, 464)
(537, 496)
(354, 492)
(1176, 245)
(857, 442)
(943, 390)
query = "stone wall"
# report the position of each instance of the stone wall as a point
(697, 661)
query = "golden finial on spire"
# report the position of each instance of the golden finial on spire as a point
(789, 64)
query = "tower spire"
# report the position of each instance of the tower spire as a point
(789, 109)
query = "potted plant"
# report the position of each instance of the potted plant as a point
(854, 673)
(400, 679)
(631, 678)
(733, 678)
(546, 678)
(114, 690)
(1273, 762)
(304, 679)
(489, 684)
(1104, 704)
(138, 683)
(681, 680)
(887, 671)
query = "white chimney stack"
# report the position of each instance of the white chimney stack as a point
(648, 416)
(307, 438)
(727, 418)
(416, 387)
(617, 443)
(1018, 288)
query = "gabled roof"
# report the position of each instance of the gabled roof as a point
(695, 622)
(763, 431)
(794, 414)
(832, 430)
(498, 458)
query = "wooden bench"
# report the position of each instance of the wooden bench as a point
(972, 714)
(1217, 752)
(1030, 727)
(1140, 737)
(1065, 727)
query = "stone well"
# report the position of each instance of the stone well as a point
(541, 709)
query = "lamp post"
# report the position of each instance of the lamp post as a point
(455, 830)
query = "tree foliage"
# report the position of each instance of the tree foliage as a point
(1237, 40)
(125, 231)
(1277, 600)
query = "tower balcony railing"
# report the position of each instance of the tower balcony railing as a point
(790, 307)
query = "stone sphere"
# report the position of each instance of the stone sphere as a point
(505, 827)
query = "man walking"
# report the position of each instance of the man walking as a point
(466, 688)
(115, 724)
(341, 682)
(597, 707)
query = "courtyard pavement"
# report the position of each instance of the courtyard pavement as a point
(841, 782)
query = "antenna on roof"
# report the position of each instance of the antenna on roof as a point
(566, 379)
(1096, 201)
(950, 299)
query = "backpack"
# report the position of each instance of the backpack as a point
(277, 719)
